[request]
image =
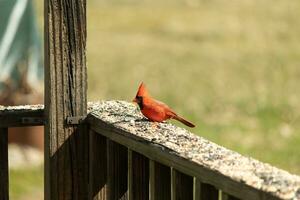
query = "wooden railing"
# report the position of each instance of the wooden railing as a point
(130, 158)
(166, 162)
(14, 116)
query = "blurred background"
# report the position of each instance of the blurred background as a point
(232, 67)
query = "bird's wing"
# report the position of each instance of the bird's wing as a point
(166, 108)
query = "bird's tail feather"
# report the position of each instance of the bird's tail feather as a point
(189, 124)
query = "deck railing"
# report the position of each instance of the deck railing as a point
(146, 161)
(14, 116)
(130, 158)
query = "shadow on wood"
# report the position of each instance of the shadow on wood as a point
(68, 167)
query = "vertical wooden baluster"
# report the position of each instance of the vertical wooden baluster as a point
(203, 191)
(152, 183)
(160, 181)
(138, 167)
(129, 174)
(197, 189)
(173, 184)
(209, 192)
(181, 186)
(116, 171)
(3, 164)
(98, 167)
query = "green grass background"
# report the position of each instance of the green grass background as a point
(231, 67)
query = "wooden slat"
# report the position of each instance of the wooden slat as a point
(116, 171)
(163, 155)
(130, 181)
(173, 184)
(182, 186)
(197, 189)
(160, 181)
(66, 146)
(203, 191)
(17, 116)
(3, 164)
(209, 192)
(152, 183)
(228, 197)
(98, 167)
(138, 176)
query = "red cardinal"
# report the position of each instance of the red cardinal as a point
(155, 110)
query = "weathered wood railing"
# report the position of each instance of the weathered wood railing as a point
(14, 116)
(130, 158)
(167, 162)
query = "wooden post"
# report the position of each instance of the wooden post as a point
(3, 164)
(66, 153)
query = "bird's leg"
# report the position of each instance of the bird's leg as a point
(155, 125)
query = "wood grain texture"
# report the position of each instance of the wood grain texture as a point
(182, 186)
(3, 164)
(98, 167)
(139, 177)
(116, 171)
(160, 181)
(66, 160)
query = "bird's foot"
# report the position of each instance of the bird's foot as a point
(154, 125)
